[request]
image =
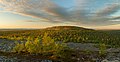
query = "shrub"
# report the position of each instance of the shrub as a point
(102, 50)
(19, 48)
(45, 46)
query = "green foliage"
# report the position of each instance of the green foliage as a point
(67, 34)
(102, 49)
(19, 48)
(87, 51)
(62, 50)
(45, 46)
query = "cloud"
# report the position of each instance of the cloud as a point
(48, 11)
(114, 18)
(29, 8)
(98, 17)
(30, 21)
(108, 10)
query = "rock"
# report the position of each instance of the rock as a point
(105, 60)
(111, 50)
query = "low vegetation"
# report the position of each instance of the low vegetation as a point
(52, 41)
(42, 46)
(68, 34)
(102, 49)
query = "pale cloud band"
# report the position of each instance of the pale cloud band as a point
(49, 11)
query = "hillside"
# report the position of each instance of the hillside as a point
(67, 34)
(66, 28)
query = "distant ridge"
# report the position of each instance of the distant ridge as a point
(66, 28)
(18, 29)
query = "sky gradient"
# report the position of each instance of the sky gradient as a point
(98, 14)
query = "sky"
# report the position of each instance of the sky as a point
(97, 14)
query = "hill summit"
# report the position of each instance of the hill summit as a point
(67, 28)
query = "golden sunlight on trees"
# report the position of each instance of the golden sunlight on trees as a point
(44, 46)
